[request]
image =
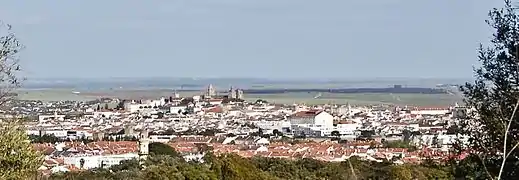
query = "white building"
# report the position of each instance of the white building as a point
(431, 111)
(271, 125)
(91, 162)
(347, 127)
(316, 120)
(58, 133)
(106, 114)
(176, 109)
(55, 116)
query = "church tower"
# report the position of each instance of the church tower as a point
(211, 91)
(144, 143)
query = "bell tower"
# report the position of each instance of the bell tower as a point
(144, 143)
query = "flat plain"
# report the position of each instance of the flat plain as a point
(286, 98)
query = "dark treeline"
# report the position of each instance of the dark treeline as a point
(165, 163)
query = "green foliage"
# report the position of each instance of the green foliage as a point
(156, 148)
(494, 94)
(261, 101)
(398, 144)
(18, 160)
(46, 138)
(127, 165)
(233, 167)
(400, 172)
(336, 133)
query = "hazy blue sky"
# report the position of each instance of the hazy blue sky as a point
(251, 38)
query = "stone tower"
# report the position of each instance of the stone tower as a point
(232, 93)
(144, 143)
(239, 94)
(211, 91)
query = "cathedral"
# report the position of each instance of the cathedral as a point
(235, 93)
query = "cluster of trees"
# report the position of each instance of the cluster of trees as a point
(51, 138)
(119, 138)
(399, 144)
(46, 138)
(165, 163)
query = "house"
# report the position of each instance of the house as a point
(97, 161)
(177, 109)
(315, 120)
(430, 110)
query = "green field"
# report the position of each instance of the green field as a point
(287, 98)
(361, 99)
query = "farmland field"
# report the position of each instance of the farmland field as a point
(286, 98)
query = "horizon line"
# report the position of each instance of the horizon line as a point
(257, 78)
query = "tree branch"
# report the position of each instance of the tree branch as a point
(505, 156)
(352, 170)
(485, 167)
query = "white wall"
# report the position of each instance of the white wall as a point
(324, 119)
(95, 161)
(430, 112)
(57, 133)
(347, 129)
(272, 124)
(175, 109)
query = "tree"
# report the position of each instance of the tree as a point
(106, 106)
(18, 160)
(276, 132)
(46, 138)
(407, 135)
(494, 94)
(126, 165)
(120, 105)
(156, 148)
(396, 144)
(435, 141)
(260, 101)
(260, 131)
(9, 66)
(336, 134)
(400, 172)
(81, 163)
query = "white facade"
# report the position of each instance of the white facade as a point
(32, 132)
(176, 109)
(347, 129)
(162, 138)
(322, 122)
(196, 157)
(95, 161)
(156, 102)
(132, 108)
(319, 120)
(271, 125)
(430, 111)
(57, 133)
(323, 119)
(44, 118)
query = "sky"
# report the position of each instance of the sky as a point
(249, 38)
